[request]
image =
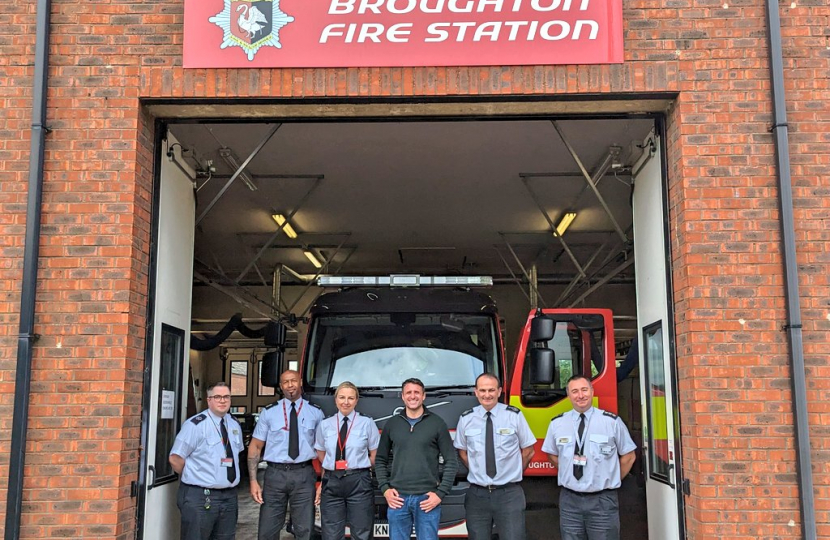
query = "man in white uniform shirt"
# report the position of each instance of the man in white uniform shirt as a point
(593, 452)
(289, 427)
(206, 455)
(496, 443)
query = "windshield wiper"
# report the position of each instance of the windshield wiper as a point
(376, 391)
(458, 389)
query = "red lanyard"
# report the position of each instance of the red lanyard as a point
(342, 444)
(285, 414)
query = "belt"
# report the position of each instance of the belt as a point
(209, 490)
(289, 466)
(589, 493)
(347, 472)
(491, 489)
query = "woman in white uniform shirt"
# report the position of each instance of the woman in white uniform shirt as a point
(346, 444)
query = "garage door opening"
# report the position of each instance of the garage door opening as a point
(542, 206)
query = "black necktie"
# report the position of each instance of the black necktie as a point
(293, 435)
(341, 441)
(490, 448)
(579, 450)
(228, 452)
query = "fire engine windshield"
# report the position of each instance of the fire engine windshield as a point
(382, 350)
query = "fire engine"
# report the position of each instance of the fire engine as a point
(379, 331)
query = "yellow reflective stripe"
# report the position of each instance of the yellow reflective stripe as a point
(659, 419)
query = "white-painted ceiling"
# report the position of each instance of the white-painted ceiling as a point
(411, 197)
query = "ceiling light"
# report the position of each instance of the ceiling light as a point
(564, 223)
(311, 257)
(229, 157)
(287, 229)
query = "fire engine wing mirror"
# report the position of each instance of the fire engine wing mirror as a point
(271, 362)
(541, 329)
(541, 366)
(274, 335)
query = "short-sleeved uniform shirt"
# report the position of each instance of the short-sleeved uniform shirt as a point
(362, 436)
(605, 439)
(200, 444)
(273, 428)
(511, 433)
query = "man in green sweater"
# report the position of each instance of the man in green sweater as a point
(410, 482)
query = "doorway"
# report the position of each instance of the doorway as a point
(280, 203)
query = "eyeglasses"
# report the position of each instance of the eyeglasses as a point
(220, 398)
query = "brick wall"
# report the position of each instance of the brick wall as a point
(85, 404)
(734, 374)
(15, 103)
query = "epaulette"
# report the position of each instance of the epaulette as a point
(198, 418)
(558, 416)
(465, 413)
(612, 415)
(511, 408)
(271, 405)
(315, 405)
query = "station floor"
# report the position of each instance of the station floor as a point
(542, 511)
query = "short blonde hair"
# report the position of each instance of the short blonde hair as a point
(347, 384)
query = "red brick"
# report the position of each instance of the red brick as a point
(726, 252)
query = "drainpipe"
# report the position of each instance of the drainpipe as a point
(27, 337)
(793, 326)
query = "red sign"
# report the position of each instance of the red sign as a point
(380, 33)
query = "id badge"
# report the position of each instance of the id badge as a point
(226, 462)
(340, 465)
(580, 461)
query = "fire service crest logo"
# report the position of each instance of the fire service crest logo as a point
(251, 24)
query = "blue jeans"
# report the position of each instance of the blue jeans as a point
(401, 520)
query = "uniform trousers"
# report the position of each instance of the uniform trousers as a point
(286, 484)
(347, 497)
(215, 523)
(589, 516)
(503, 506)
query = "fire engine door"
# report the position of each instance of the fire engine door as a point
(165, 405)
(660, 429)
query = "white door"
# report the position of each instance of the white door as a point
(170, 343)
(651, 252)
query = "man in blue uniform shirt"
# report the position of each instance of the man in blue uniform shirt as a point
(496, 444)
(593, 452)
(206, 455)
(289, 427)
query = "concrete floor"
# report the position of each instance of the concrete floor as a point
(542, 511)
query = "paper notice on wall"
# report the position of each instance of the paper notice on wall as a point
(168, 400)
